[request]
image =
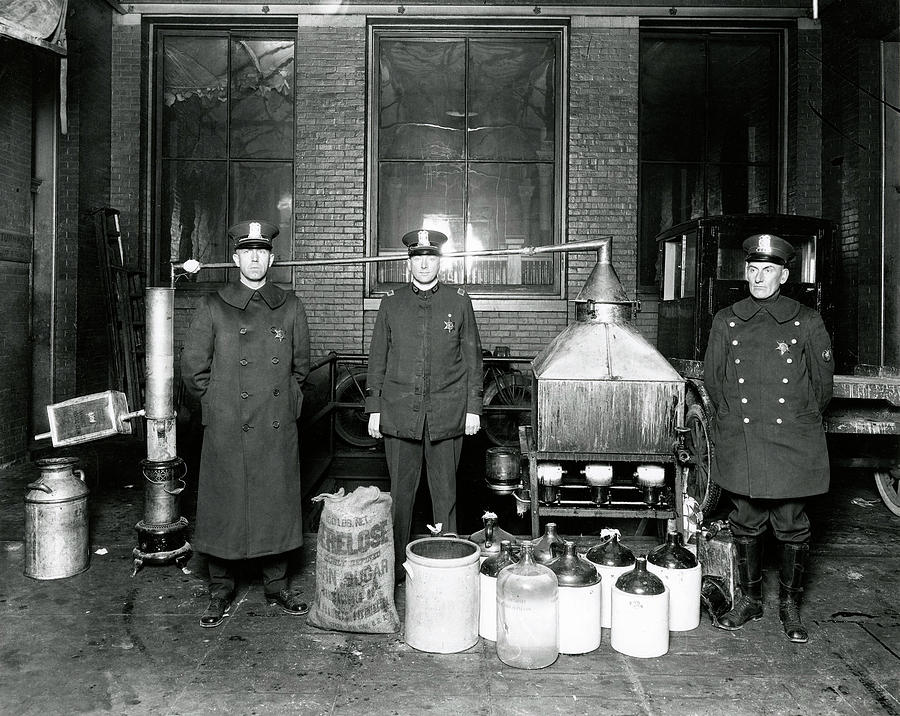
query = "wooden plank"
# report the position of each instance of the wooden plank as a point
(862, 421)
(861, 387)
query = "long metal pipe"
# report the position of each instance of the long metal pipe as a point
(159, 401)
(585, 245)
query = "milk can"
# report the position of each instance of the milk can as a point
(679, 570)
(527, 613)
(640, 613)
(56, 521)
(487, 581)
(612, 560)
(579, 602)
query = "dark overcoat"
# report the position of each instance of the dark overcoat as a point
(425, 362)
(769, 372)
(246, 357)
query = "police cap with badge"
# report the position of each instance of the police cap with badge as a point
(424, 242)
(768, 248)
(253, 235)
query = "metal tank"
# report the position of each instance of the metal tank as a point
(602, 388)
(607, 410)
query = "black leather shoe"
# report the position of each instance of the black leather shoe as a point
(216, 612)
(289, 602)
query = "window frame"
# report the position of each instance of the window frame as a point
(158, 253)
(505, 295)
(777, 33)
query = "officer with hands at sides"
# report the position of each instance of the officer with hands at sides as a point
(246, 357)
(769, 372)
(424, 386)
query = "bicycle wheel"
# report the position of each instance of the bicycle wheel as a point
(352, 423)
(507, 389)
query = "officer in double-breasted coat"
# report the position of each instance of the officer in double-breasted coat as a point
(769, 373)
(424, 386)
(246, 357)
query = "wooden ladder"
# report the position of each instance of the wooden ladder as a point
(123, 290)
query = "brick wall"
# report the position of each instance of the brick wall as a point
(804, 140)
(603, 147)
(90, 67)
(852, 151)
(329, 215)
(15, 247)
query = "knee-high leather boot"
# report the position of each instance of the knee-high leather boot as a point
(794, 558)
(749, 565)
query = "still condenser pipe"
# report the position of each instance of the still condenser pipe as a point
(162, 532)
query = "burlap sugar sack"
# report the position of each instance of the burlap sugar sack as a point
(355, 563)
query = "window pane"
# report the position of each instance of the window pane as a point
(262, 98)
(262, 190)
(741, 101)
(688, 288)
(193, 214)
(195, 72)
(510, 206)
(738, 189)
(670, 194)
(512, 100)
(415, 195)
(421, 110)
(673, 102)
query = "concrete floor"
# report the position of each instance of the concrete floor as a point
(105, 642)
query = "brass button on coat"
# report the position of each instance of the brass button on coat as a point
(245, 395)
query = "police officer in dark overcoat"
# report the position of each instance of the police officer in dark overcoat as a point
(424, 386)
(769, 372)
(246, 357)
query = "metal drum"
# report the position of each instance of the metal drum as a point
(56, 521)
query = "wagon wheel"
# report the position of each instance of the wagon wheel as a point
(888, 484)
(697, 481)
(352, 423)
(513, 389)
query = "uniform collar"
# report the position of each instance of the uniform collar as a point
(782, 309)
(416, 290)
(238, 295)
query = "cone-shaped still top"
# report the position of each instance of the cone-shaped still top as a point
(603, 285)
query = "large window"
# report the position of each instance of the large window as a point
(709, 119)
(225, 143)
(465, 129)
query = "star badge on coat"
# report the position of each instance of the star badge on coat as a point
(449, 325)
(278, 333)
(783, 347)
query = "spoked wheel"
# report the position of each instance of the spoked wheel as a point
(888, 484)
(512, 389)
(697, 481)
(351, 422)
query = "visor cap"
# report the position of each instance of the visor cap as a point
(769, 248)
(253, 234)
(422, 242)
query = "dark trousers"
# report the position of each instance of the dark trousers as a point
(404, 459)
(222, 579)
(788, 518)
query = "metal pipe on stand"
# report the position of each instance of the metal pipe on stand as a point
(162, 531)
